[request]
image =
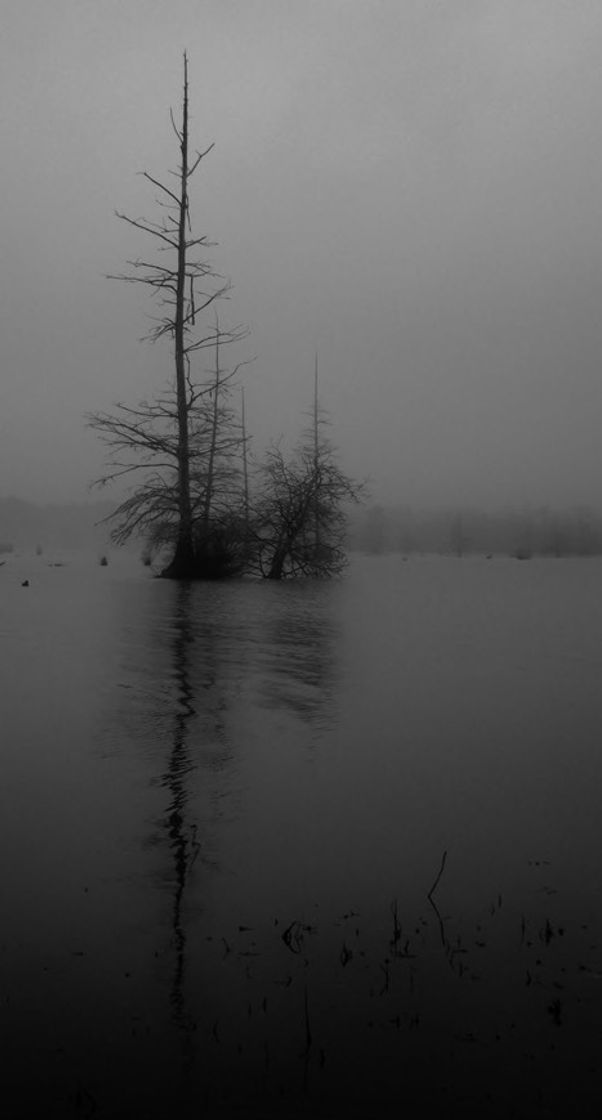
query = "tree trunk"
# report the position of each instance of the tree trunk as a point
(182, 564)
(213, 440)
(277, 565)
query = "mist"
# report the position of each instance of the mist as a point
(410, 189)
(275, 842)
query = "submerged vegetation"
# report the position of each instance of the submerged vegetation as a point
(198, 493)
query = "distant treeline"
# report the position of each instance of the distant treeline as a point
(26, 525)
(522, 533)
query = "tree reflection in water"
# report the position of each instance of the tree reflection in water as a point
(226, 668)
(299, 641)
(183, 840)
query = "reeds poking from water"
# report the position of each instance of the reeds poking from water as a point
(351, 995)
(430, 894)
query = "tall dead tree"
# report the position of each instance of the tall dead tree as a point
(165, 438)
(183, 560)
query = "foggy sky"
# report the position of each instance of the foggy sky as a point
(413, 187)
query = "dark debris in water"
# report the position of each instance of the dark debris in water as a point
(343, 1016)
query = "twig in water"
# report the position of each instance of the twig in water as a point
(434, 905)
(440, 920)
(440, 873)
(293, 937)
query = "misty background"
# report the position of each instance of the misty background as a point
(223, 803)
(411, 187)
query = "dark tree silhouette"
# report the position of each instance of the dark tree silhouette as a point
(300, 521)
(180, 446)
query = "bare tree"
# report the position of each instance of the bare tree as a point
(172, 442)
(300, 520)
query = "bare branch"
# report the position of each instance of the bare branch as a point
(175, 127)
(199, 157)
(148, 227)
(161, 186)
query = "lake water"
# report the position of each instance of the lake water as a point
(321, 849)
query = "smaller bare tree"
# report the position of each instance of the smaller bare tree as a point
(300, 520)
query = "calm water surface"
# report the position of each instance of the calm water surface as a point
(224, 809)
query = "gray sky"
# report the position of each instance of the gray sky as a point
(413, 187)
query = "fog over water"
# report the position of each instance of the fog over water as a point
(411, 188)
(272, 848)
